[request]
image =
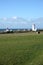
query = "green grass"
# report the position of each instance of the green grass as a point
(21, 49)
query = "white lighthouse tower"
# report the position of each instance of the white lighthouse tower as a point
(33, 27)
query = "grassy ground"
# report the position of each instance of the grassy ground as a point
(21, 49)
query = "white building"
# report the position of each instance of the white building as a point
(7, 30)
(33, 27)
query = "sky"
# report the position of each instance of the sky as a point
(27, 9)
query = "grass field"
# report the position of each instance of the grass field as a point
(21, 49)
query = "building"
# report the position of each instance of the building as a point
(33, 27)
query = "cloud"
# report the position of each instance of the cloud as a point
(23, 23)
(4, 18)
(14, 17)
(8, 19)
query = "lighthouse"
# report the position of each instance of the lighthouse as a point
(33, 27)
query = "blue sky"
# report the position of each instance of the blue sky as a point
(27, 9)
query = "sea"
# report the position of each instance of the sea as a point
(1, 30)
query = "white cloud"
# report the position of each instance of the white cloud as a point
(9, 19)
(23, 23)
(4, 19)
(14, 17)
